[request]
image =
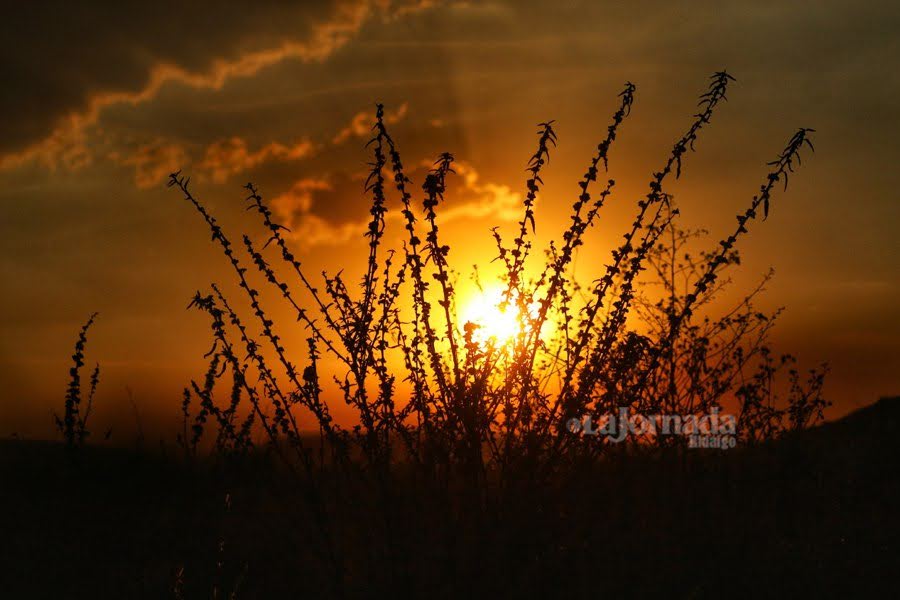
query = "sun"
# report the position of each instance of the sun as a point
(498, 322)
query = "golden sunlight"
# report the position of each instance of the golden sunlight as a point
(498, 323)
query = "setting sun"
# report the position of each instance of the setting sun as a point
(497, 322)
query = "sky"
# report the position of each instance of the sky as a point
(102, 103)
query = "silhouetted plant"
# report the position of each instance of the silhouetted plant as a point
(494, 411)
(73, 423)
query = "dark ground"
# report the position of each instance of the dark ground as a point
(813, 515)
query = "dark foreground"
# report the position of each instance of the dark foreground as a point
(815, 514)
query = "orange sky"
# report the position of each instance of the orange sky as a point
(94, 123)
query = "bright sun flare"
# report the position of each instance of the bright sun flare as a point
(496, 324)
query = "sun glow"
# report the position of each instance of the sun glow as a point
(498, 322)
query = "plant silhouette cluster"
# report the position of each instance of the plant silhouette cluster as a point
(481, 411)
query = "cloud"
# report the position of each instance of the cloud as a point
(295, 209)
(312, 207)
(225, 158)
(153, 162)
(361, 123)
(130, 51)
(482, 199)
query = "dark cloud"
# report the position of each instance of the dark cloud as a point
(65, 61)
